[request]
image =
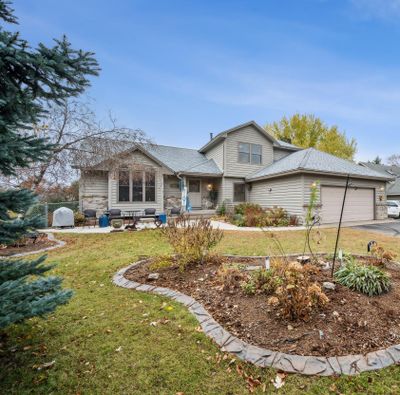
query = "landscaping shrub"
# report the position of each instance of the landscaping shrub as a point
(368, 280)
(239, 220)
(231, 276)
(298, 295)
(262, 281)
(79, 218)
(242, 208)
(191, 240)
(381, 256)
(250, 214)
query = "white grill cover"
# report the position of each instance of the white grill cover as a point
(63, 216)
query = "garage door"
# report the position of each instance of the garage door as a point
(359, 204)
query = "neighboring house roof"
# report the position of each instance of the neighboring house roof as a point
(312, 160)
(394, 188)
(221, 136)
(183, 160)
(386, 169)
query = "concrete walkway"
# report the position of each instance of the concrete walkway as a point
(223, 226)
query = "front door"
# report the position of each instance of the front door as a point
(194, 192)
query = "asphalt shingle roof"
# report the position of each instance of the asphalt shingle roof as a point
(385, 169)
(313, 160)
(394, 188)
(183, 159)
(284, 144)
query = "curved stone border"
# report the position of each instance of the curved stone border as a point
(307, 365)
(59, 243)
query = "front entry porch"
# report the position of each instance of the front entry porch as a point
(202, 193)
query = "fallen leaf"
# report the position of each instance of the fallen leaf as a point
(279, 380)
(118, 349)
(46, 365)
(154, 323)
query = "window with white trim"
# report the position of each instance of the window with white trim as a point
(137, 186)
(250, 153)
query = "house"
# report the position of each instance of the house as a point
(242, 164)
(393, 188)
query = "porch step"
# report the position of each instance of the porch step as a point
(202, 213)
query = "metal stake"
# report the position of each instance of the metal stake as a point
(340, 224)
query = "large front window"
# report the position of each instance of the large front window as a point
(137, 186)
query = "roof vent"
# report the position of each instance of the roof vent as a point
(211, 136)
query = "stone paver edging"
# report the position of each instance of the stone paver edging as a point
(59, 243)
(307, 365)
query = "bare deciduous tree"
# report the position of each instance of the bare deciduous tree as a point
(394, 160)
(79, 140)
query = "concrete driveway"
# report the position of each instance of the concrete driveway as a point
(387, 228)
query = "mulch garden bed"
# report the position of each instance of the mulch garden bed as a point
(42, 242)
(351, 323)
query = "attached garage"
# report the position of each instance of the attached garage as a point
(359, 205)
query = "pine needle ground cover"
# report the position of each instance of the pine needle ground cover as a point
(113, 340)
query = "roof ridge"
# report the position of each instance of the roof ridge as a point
(307, 154)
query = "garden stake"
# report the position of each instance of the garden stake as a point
(340, 224)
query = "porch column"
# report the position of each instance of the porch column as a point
(184, 194)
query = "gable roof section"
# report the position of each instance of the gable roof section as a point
(221, 136)
(183, 160)
(312, 160)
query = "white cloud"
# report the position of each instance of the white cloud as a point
(381, 9)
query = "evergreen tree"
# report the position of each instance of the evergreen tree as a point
(30, 79)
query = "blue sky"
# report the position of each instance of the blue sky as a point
(182, 69)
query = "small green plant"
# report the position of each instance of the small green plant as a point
(161, 262)
(368, 280)
(222, 209)
(239, 220)
(261, 281)
(248, 287)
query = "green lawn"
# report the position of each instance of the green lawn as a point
(102, 341)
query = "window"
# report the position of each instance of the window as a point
(256, 154)
(194, 186)
(141, 188)
(250, 153)
(150, 190)
(123, 186)
(137, 186)
(239, 192)
(244, 153)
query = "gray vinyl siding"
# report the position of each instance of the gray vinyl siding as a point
(93, 190)
(285, 192)
(280, 153)
(137, 161)
(217, 153)
(246, 135)
(380, 195)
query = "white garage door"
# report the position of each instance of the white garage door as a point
(359, 204)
